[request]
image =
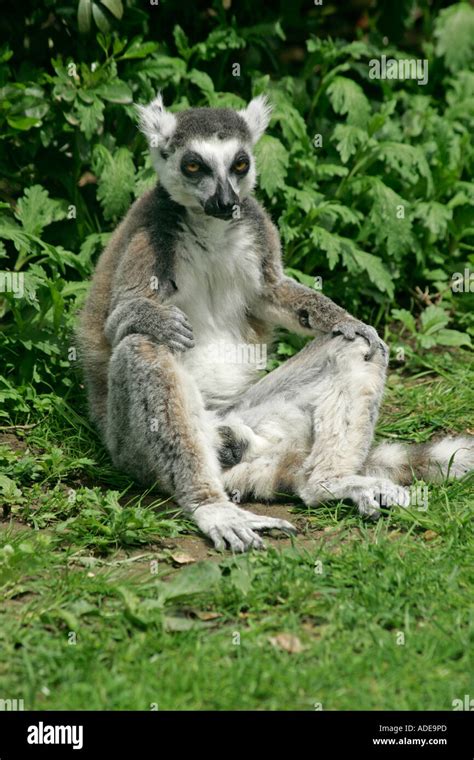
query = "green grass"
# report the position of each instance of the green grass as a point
(74, 561)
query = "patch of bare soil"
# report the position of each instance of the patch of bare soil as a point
(181, 551)
(12, 441)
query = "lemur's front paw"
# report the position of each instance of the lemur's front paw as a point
(351, 328)
(228, 524)
(175, 329)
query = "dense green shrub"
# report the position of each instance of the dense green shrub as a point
(368, 179)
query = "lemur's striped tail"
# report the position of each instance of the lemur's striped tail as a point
(450, 457)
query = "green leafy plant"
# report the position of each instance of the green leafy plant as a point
(369, 180)
(431, 330)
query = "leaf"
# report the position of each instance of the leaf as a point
(284, 349)
(434, 216)
(84, 15)
(305, 279)
(433, 318)
(132, 605)
(114, 6)
(330, 50)
(409, 161)
(181, 558)
(177, 623)
(116, 180)
(325, 171)
(195, 579)
(145, 178)
(348, 139)
(327, 242)
(9, 490)
(454, 34)
(464, 195)
(10, 230)
(23, 123)
(139, 49)
(241, 577)
(461, 88)
(100, 19)
(203, 81)
(264, 29)
(305, 198)
(337, 211)
(164, 69)
(227, 100)
(292, 124)
(288, 642)
(35, 210)
(82, 607)
(90, 116)
(71, 621)
(433, 323)
(217, 41)
(389, 220)
(376, 270)
(93, 242)
(115, 92)
(447, 337)
(347, 97)
(272, 163)
(182, 42)
(406, 318)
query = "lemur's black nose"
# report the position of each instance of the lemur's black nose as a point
(222, 203)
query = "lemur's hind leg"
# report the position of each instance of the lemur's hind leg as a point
(308, 427)
(158, 430)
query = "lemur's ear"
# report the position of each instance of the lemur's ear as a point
(156, 123)
(257, 116)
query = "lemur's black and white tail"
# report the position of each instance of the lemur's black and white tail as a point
(451, 457)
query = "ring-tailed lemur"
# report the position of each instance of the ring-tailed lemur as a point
(192, 276)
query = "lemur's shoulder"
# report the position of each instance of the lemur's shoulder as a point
(267, 237)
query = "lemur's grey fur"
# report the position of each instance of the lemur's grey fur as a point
(194, 268)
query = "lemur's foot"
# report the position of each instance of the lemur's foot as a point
(228, 524)
(384, 493)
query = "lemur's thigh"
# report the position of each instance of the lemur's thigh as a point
(157, 428)
(326, 363)
(310, 420)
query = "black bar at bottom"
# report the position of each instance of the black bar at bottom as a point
(135, 734)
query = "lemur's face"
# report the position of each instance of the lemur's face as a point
(210, 174)
(204, 156)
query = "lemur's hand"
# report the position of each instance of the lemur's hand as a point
(350, 328)
(174, 329)
(228, 524)
(163, 323)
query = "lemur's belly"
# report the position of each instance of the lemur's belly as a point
(216, 281)
(222, 367)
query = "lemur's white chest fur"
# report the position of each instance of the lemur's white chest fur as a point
(218, 276)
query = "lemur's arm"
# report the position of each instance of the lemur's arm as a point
(136, 307)
(290, 304)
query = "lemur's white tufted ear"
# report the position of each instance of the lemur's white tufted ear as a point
(156, 123)
(257, 115)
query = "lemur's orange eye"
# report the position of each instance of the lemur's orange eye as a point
(241, 165)
(192, 167)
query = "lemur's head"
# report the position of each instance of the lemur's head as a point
(203, 156)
